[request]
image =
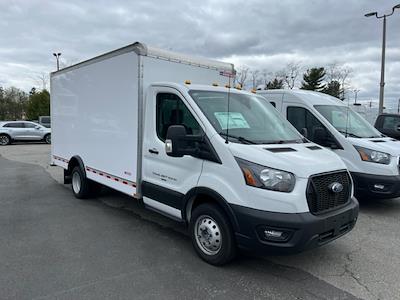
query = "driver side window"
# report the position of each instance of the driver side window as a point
(170, 110)
(302, 118)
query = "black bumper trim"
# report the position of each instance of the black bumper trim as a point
(307, 230)
(364, 185)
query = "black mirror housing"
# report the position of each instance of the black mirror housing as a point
(178, 143)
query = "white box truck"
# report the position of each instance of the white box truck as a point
(371, 157)
(221, 160)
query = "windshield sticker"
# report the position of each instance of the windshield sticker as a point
(236, 120)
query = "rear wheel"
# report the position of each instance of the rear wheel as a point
(80, 184)
(4, 140)
(212, 234)
(47, 138)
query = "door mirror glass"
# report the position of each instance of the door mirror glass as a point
(37, 127)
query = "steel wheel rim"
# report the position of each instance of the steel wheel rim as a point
(208, 235)
(4, 140)
(76, 182)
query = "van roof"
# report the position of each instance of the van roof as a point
(309, 97)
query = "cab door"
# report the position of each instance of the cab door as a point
(167, 179)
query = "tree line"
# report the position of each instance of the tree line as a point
(332, 79)
(15, 104)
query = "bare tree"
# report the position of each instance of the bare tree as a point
(241, 75)
(41, 79)
(341, 74)
(254, 77)
(290, 74)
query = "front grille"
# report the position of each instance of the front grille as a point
(320, 196)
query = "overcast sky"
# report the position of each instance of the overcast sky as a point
(259, 34)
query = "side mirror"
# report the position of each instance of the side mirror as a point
(304, 132)
(174, 141)
(178, 143)
(37, 127)
(397, 127)
(323, 138)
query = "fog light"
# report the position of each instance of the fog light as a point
(379, 187)
(275, 234)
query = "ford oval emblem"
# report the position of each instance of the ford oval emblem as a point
(336, 187)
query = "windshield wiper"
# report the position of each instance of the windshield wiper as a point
(349, 134)
(239, 138)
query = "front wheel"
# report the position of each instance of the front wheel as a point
(47, 138)
(4, 140)
(212, 234)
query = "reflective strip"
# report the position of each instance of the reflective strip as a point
(60, 159)
(112, 177)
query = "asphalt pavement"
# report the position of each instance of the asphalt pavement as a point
(53, 246)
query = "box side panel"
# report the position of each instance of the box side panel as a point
(94, 115)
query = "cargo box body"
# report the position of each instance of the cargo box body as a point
(97, 108)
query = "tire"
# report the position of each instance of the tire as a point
(47, 138)
(81, 186)
(212, 235)
(5, 140)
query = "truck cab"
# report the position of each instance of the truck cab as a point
(371, 157)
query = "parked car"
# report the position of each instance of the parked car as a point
(23, 131)
(389, 124)
(372, 158)
(45, 121)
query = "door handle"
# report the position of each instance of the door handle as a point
(153, 151)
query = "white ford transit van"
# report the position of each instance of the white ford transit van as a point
(220, 160)
(371, 157)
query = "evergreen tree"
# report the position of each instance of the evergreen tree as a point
(313, 79)
(38, 105)
(334, 89)
(275, 84)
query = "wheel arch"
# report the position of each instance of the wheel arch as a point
(73, 162)
(199, 195)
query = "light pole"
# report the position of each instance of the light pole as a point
(57, 55)
(398, 106)
(382, 83)
(355, 91)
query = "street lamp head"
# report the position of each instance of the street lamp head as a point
(396, 6)
(59, 54)
(371, 14)
(55, 54)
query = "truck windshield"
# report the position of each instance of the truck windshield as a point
(347, 121)
(251, 119)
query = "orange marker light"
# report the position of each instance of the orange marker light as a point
(187, 82)
(248, 176)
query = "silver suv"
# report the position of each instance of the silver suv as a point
(23, 131)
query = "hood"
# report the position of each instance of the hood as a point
(302, 160)
(385, 144)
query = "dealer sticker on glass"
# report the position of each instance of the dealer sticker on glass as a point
(236, 120)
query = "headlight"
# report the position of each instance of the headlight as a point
(373, 156)
(265, 177)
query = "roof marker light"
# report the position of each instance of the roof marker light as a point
(187, 82)
(215, 84)
(227, 86)
(238, 87)
(253, 91)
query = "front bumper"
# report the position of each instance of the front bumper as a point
(366, 185)
(304, 230)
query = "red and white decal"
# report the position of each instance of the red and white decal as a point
(61, 159)
(111, 177)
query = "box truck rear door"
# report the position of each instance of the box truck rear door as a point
(166, 179)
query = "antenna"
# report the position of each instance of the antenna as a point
(347, 116)
(227, 122)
